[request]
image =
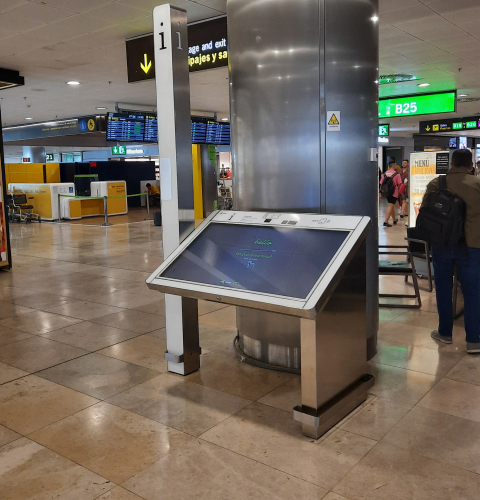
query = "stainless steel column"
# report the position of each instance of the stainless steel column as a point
(291, 61)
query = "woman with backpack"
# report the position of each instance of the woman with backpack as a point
(389, 188)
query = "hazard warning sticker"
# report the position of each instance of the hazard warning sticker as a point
(333, 121)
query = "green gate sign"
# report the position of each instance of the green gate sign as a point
(420, 104)
(119, 150)
(384, 130)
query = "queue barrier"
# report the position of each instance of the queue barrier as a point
(104, 198)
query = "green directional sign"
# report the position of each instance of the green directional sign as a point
(384, 130)
(49, 157)
(119, 150)
(420, 104)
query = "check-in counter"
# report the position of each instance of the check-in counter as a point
(43, 197)
(77, 208)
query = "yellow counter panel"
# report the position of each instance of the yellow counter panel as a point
(77, 208)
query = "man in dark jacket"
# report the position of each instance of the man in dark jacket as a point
(466, 259)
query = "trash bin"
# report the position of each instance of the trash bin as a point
(157, 218)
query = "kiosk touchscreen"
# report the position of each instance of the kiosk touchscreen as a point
(271, 259)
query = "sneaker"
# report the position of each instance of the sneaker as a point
(386, 224)
(402, 216)
(446, 340)
(395, 222)
(473, 347)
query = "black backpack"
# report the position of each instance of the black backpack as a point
(441, 221)
(387, 187)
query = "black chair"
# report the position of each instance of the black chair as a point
(420, 249)
(22, 210)
(399, 268)
(11, 207)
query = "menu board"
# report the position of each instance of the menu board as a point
(125, 127)
(4, 233)
(424, 167)
(151, 128)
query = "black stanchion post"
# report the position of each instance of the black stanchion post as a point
(105, 224)
(148, 207)
(59, 209)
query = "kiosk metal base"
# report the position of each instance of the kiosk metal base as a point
(315, 423)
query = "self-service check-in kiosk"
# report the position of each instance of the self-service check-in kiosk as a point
(312, 266)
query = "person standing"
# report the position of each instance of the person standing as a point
(404, 188)
(389, 188)
(464, 256)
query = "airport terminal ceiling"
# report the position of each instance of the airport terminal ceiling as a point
(54, 41)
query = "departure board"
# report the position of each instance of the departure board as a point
(222, 135)
(151, 128)
(125, 127)
(199, 132)
(139, 127)
(217, 133)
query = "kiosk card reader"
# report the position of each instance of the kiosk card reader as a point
(312, 266)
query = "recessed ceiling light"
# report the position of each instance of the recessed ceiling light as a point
(375, 19)
(28, 118)
(224, 119)
(462, 95)
(73, 82)
(396, 78)
(101, 107)
(423, 85)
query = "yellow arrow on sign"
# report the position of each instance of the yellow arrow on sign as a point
(427, 128)
(146, 67)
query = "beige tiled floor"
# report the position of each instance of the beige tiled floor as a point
(87, 410)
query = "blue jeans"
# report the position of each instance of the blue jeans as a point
(467, 262)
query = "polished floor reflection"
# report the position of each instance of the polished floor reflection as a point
(88, 410)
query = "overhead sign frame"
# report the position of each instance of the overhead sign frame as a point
(452, 125)
(57, 128)
(207, 49)
(417, 104)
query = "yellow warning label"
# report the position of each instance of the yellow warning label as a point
(91, 125)
(333, 120)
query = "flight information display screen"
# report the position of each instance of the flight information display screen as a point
(218, 133)
(281, 261)
(125, 127)
(151, 128)
(199, 132)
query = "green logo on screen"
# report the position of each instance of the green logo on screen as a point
(264, 242)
